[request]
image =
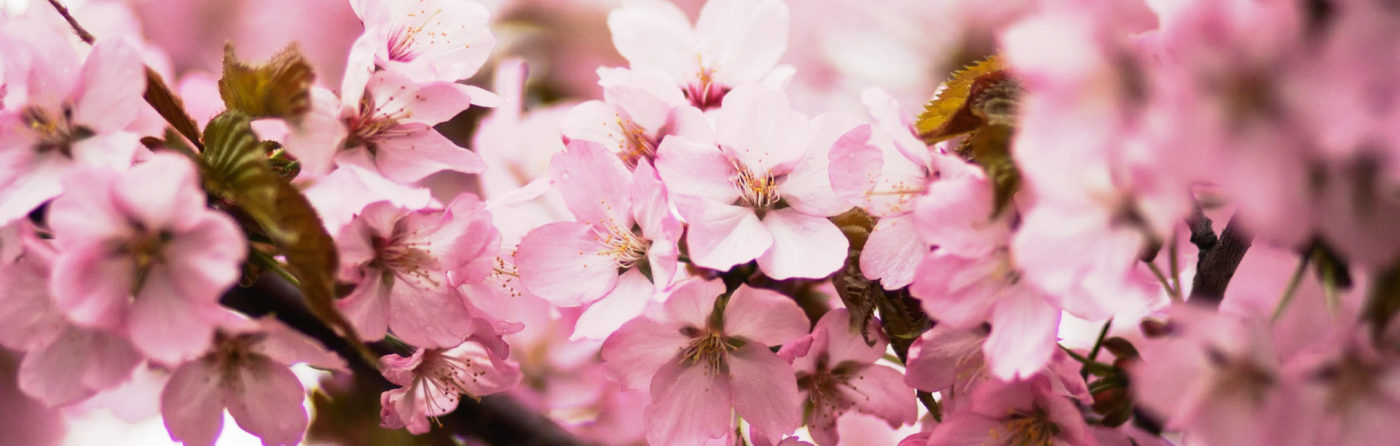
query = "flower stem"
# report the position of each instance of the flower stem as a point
(1292, 288)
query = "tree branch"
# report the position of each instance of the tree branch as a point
(495, 419)
(1218, 261)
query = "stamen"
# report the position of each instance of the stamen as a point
(710, 349)
(759, 192)
(624, 245)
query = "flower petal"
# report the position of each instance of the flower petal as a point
(564, 263)
(639, 348)
(167, 326)
(414, 151)
(625, 302)
(893, 252)
(114, 78)
(721, 236)
(803, 246)
(192, 403)
(765, 390)
(763, 316)
(264, 398)
(689, 405)
(367, 306)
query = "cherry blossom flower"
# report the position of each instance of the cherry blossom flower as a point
(58, 115)
(432, 40)
(705, 357)
(624, 227)
(734, 42)
(1021, 412)
(434, 379)
(407, 264)
(949, 361)
(140, 254)
(246, 372)
(755, 192)
(639, 109)
(838, 373)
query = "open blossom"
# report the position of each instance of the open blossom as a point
(638, 110)
(60, 115)
(1024, 412)
(756, 192)
(624, 227)
(734, 42)
(406, 266)
(949, 361)
(425, 40)
(386, 128)
(247, 372)
(140, 254)
(702, 365)
(63, 363)
(838, 373)
(434, 379)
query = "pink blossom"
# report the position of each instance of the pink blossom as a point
(140, 254)
(624, 227)
(755, 192)
(703, 365)
(58, 115)
(1028, 411)
(247, 372)
(966, 292)
(407, 264)
(839, 373)
(433, 40)
(638, 110)
(949, 361)
(434, 380)
(387, 127)
(734, 42)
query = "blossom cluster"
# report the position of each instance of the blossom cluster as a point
(732, 222)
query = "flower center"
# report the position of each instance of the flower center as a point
(403, 41)
(710, 348)
(54, 132)
(636, 145)
(393, 255)
(624, 245)
(704, 93)
(759, 192)
(369, 124)
(144, 249)
(450, 375)
(1032, 428)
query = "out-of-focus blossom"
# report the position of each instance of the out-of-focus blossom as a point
(425, 40)
(838, 373)
(1027, 411)
(247, 372)
(407, 264)
(948, 361)
(757, 191)
(58, 115)
(140, 254)
(434, 379)
(702, 365)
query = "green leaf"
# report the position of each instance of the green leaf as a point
(281, 88)
(950, 113)
(235, 169)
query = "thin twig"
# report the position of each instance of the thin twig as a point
(82, 33)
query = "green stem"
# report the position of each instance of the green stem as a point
(1098, 344)
(1175, 266)
(1162, 278)
(1292, 288)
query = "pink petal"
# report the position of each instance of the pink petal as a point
(427, 312)
(1023, 335)
(803, 246)
(594, 183)
(758, 128)
(691, 304)
(646, 96)
(87, 213)
(765, 390)
(893, 252)
(207, 258)
(763, 316)
(565, 264)
(891, 117)
(965, 429)
(167, 326)
(625, 302)
(880, 391)
(955, 290)
(599, 123)
(264, 398)
(639, 348)
(689, 405)
(76, 365)
(427, 103)
(31, 186)
(92, 286)
(28, 316)
(288, 346)
(414, 151)
(696, 169)
(845, 343)
(315, 139)
(114, 78)
(808, 188)
(655, 35)
(368, 306)
(721, 236)
(744, 37)
(114, 150)
(942, 354)
(192, 403)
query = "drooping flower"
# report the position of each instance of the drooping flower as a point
(734, 42)
(406, 266)
(247, 372)
(140, 254)
(838, 373)
(434, 379)
(624, 227)
(705, 357)
(756, 192)
(69, 115)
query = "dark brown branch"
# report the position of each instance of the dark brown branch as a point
(495, 420)
(1218, 262)
(82, 32)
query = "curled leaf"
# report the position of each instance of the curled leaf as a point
(280, 88)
